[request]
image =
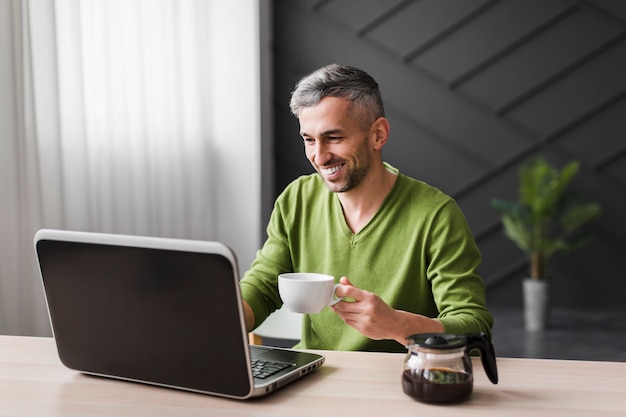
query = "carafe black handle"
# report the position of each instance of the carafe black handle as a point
(487, 354)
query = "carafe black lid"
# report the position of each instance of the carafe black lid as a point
(438, 340)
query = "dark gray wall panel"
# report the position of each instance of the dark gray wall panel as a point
(423, 20)
(618, 170)
(575, 94)
(606, 132)
(474, 44)
(612, 8)
(541, 59)
(359, 15)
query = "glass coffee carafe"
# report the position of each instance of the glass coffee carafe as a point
(438, 369)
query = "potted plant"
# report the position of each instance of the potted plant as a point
(546, 219)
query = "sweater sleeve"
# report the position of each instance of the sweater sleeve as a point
(259, 286)
(457, 288)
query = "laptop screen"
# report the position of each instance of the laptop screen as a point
(165, 316)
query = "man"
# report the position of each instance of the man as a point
(403, 249)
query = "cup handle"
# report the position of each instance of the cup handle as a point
(334, 299)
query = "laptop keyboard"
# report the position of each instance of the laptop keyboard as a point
(262, 369)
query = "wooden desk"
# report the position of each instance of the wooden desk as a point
(34, 383)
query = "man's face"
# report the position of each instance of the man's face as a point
(336, 144)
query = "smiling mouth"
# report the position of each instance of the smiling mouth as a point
(327, 172)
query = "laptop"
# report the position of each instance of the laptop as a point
(159, 311)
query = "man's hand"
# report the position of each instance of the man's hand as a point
(372, 317)
(249, 316)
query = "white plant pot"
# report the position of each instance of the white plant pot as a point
(536, 304)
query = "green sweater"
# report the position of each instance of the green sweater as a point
(417, 253)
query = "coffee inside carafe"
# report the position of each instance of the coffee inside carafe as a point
(437, 385)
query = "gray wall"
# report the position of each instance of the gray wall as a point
(473, 87)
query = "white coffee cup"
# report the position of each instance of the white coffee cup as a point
(307, 292)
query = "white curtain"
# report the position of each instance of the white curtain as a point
(21, 209)
(133, 131)
(111, 124)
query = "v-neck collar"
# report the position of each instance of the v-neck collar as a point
(355, 237)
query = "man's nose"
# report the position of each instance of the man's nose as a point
(321, 155)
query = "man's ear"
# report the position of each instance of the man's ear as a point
(381, 129)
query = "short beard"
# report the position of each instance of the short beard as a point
(354, 178)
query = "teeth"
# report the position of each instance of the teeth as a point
(330, 171)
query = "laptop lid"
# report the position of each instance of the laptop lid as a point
(154, 310)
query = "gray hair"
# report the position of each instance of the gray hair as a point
(340, 81)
